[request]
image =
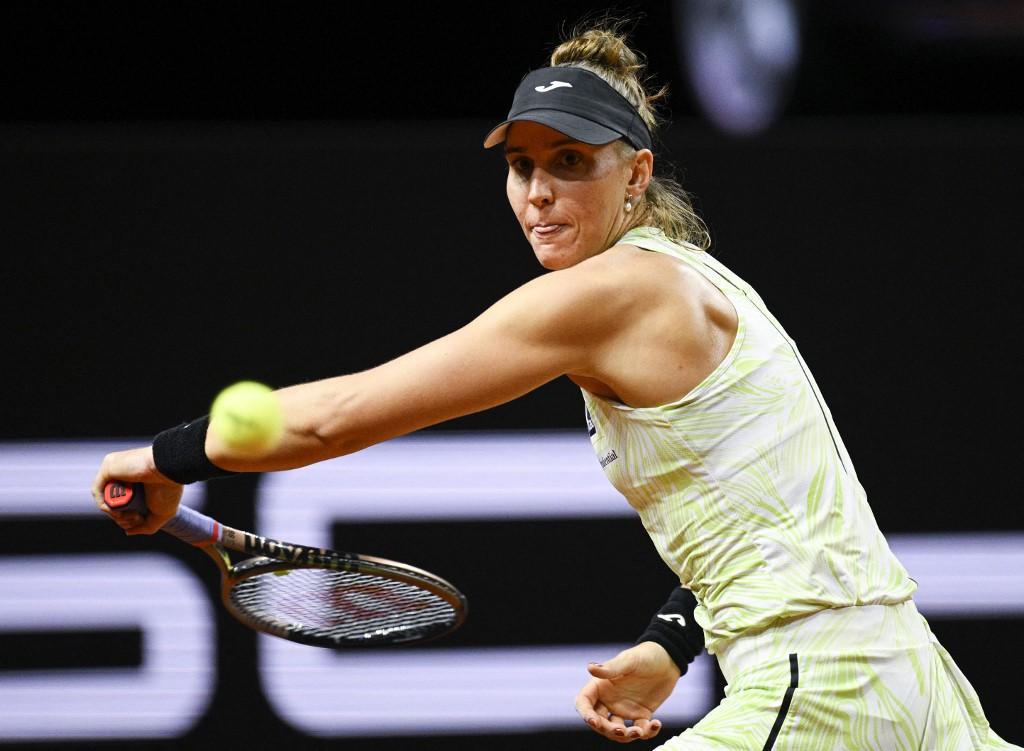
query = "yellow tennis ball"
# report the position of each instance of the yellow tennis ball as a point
(247, 417)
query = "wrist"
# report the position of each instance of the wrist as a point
(675, 630)
(151, 467)
(179, 453)
(654, 654)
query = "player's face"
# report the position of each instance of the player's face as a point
(568, 196)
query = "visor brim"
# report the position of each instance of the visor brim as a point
(574, 126)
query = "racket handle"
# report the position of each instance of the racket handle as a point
(188, 525)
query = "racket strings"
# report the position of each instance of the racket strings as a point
(342, 607)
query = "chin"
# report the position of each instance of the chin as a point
(552, 261)
(557, 256)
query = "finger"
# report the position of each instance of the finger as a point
(604, 718)
(585, 701)
(99, 482)
(126, 519)
(619, 729)
(136, 523)
(147, 526)
(644, 729)
(597, 715)
(610, 730)
(620, 665)
(600, 670)
(129, 521)
(106, 472)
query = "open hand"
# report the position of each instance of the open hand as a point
(628, 688)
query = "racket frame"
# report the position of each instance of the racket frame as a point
(270, 556)
(291, 557)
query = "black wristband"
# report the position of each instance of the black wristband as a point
(180, 453)
(674, 628)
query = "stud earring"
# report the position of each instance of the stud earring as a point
(629, 204)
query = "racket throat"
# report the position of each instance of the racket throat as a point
(283, 551)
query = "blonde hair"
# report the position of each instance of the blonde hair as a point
(601, 47)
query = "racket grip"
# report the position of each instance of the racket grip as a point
(187, 525)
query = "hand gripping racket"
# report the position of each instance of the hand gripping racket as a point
(312, 595)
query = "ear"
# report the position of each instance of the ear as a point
(643, 170)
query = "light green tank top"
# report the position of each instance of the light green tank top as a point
(744, 484)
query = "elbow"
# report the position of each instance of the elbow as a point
(330, 427)
(340, 416)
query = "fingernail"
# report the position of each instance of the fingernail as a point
(618, 731)
(592, 722)
(599, 664)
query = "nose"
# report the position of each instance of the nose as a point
(541, 189)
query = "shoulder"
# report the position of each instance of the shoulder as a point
(622, 277)
(638, 277)
(640, 268)
(591, 290)
(660, 296)
(624, 285)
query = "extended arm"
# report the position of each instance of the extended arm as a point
(544, 329)
(555, 324)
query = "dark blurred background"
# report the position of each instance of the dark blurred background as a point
(195, 193)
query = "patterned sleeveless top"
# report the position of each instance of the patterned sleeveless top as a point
(744, 484)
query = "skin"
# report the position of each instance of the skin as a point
(564, 194)
(623, 323)
(630, 686)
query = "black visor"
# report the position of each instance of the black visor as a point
(579, 104)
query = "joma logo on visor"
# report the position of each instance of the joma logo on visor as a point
(552, 85)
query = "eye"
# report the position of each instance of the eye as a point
(572, 158)
(520, 165)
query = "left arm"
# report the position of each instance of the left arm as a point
(634, 683)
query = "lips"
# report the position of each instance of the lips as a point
(546, 230)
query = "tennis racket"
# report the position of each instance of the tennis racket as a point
(312, 595)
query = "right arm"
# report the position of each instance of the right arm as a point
(558, 323)
(562, 322)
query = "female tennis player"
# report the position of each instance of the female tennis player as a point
(702, 413)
